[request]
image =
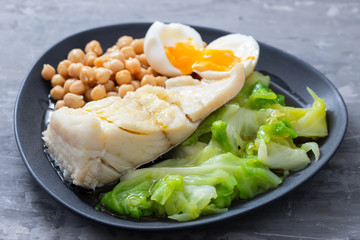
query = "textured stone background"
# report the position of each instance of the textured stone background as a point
(324, 33)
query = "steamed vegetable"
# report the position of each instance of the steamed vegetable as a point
(194, 187)
(228, 157)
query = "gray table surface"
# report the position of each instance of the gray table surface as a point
(325, 34)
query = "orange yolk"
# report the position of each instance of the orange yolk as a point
(185, 57)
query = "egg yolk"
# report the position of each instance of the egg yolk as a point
(185, 57)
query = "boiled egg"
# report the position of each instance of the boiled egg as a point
(175, 49)
(244, 48)
(160, 36)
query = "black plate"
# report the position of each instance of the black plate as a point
(293, 76)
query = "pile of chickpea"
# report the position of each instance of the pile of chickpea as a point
(92, 75)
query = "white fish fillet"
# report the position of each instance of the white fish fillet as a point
(96, 144)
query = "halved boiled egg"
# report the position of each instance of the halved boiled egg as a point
(161, 36)
(175, 49)
(244, 48)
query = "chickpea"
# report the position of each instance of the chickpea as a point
(114, 65)
(76, 55)
(136, 84)
(59, 104)
(112, 94)
(121, 69)
(99, 61)
(74, 101)
(160, 81)
(143, 60)
(95, 47)
(112, 49)
(77, 87)
(103, 75)
(148, 79)
(89, 59)
(68, 83)
(57, 93)
(142, 73)
(47, 72)
(87, 94)
(123, 77)
(87, 75)
(98, 92)
(124, 41)
(128, 52)
(63, 67)
(74, 69)
(117, 54)
(123, 89)
(109, 86)
(133, 65)
(57, 79)
(138, 45)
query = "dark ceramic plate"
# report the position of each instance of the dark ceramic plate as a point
(290, 77)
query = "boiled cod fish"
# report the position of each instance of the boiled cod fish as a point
(96, 144)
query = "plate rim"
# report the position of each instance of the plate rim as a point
(177, 225)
